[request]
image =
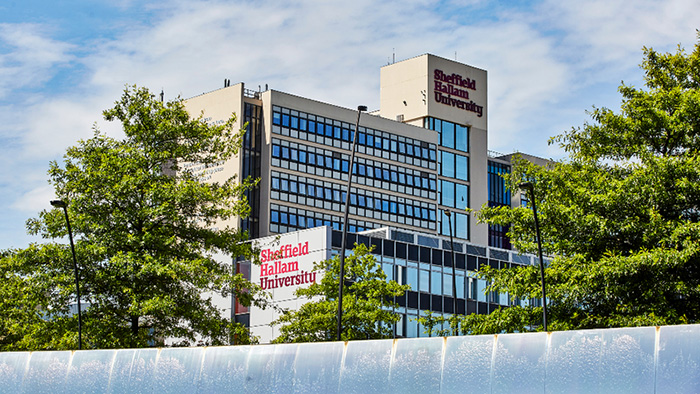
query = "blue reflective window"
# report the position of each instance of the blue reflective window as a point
(386, 144)
(462, 165)
(385, 206)
(385, 175)
(393, 207)
(293, 220)
(433, 184)
(302, 157)
(285, 152)
(361, 201)
(345, 166)
(302, 188)
(337, 133)
(462, 138)
(294, 155)
(311, 191)
(447, 193)
(284, 218)
(447, 164)
(329, 162)
(424, 281)
(402, 178)
(402, 209)
(274, 216)
(432, 154)
(302, 221)
(275, 183)
(312, 126)
(293, 186)
(285, 120)
(393, 145)
(409, 210)
(402, 148)
(409, 149)
(377, 204)
(346, 134)
(336, 195)
(284, 185)
(377, 172)
(276, 118)
(312, 159)
(409, 180)
(276, 151)
(327, 193)
(461, 196)
(336, 164)
(319, 128)
(424, 183)
(394, 176)
(378, 142)
(353, 199)
(436, 283)
(295, 122)
(329, 130)
(361, 169)
(370, 140)
(431, 213)
(302, 124)
(361, 138)
(448, 134)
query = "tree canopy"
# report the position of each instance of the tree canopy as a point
(367, 302)
(619, 216)
(147, 234)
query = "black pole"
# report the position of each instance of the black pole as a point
(531, 187)
(454, 272)
(341, 277)
(62, 204)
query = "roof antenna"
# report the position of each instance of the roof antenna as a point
(394, 55)
(162, 95)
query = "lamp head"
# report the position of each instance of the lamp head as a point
(58, 203)
(362, 108)
(448, 213)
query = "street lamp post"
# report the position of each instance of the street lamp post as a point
(454, 272)
(529, 186)
(341, 277)
(62, 204)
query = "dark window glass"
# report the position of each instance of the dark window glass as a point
(413, 252)
(276, 118)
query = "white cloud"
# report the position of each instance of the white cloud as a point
(32, 58)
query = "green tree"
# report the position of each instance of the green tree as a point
(367, 302)
(147, 232)
(620, 215)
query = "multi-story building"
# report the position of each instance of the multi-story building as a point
(421, 154)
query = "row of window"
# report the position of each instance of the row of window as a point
(327, 191)
(454, 165)
(452, 135)
(455, 195)
(335, 161)
(284, 219)
(343, 131)
(460, 225)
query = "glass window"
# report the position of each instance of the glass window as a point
(361, 138)
(312, 126)
(412, 277)
(337, 133)
(409, 149)
(285, 120)
(461, 196)
(345, 166)
(302, 157)
(293, 187)
(302, 124)
(447, 164)
(276, 118)
(447, 193)
(285, 152)
(462, 164)
(424, 281)
(370, 140)
(436, 282)
(448, 134)
(460, 286)
(294, 155)
(274, 216)
(275, 183)
(462, 138)
(276, 151)
(295, 123)
(447, 284)
(312, 159)
(302, 188)
(329, 130)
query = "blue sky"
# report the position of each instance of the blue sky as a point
(62, 62)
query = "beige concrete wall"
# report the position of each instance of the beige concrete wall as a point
(216, 108)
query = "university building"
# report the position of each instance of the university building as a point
(421, 154)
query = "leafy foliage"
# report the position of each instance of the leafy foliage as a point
(620, 216)
(146, 238)
(367, 302)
